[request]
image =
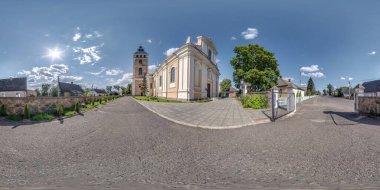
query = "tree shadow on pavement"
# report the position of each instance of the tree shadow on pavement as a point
(351, 118)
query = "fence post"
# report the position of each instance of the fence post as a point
(274, 103)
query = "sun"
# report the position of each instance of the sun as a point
(54, 54)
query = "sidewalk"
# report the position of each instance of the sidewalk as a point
(218, 114)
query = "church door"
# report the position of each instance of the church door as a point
(208, 90)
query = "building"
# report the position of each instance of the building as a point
(70, 89)
(98, 92)
(188, 73)
(13, 87)
(371, 88)
(286, 86)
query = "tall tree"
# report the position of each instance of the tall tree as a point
(116, 87)
(129, 89)
(53, 91)
(255, 65)
(123, 90)
(109, 89)
(38, 92)
(45, 89)
(225, 85)
(310, 87)
(144, 86)
(330, 89)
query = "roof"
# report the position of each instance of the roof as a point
(232, 89)
(13, 84)
(70, 87)
(141, 50)
(100, 91)
(372, 86)
(284, 83)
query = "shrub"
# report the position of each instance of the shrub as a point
(256, 101)
(3, 111)
(59, 110)
(70, 113)
(26, 112)
(77, 107)
(43, 117)
(14, 118)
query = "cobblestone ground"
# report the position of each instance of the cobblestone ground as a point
(124, 145)
(223, 113)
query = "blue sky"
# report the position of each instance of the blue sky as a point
(331, 40)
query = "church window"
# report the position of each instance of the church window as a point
(172, 74)
(140, 71)
(140, 61)
(160, 81)
(209, 53)
(144, 56)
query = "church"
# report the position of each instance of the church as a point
(189, 73)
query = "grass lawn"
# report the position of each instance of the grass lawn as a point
(43, 117)
(156, 99)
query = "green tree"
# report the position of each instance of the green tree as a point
(225, 85)
(255, 65)
(310, 90)
(117, 88)
(53, 91)
(144, 86)
(109, 89)
(330, 89)
(38, 92)
(3, 110)
(324, 92)
(123, 90)
(26, 112)
(45, 89)
(129, 89)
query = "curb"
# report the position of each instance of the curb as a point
(260, 121)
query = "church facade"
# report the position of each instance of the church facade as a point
(189, 73)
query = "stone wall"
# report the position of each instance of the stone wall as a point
(15, 105)
(369, 105)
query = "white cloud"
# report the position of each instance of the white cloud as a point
(250, 34)
(64, 78)
(346, 78)
(76, 37)
(39, 75)
(102, 69)
(170, 51)
(152, 68)
(149, 41)
(113, 72)
(88, 55)
(126, 79)
(287, 78)
(233, 38)
(311, 68)
(372, 53)
(313, 75)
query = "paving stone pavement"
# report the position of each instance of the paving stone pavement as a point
(217, 114)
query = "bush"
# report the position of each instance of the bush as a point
(26, 112)
(3, 111)
(43, 117)
(77, 107)
(70, 113)
(256, 101)
(59, 110)
(14, 118)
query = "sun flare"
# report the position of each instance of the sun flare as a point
(54, 54)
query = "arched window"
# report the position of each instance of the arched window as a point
(140, 61)
(172, 75)
(140, 71)
(144, 56)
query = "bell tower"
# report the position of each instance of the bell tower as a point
(140, 69)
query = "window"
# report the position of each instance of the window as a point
(160, 81)
(209, 53)
(172, 75)
(140, 71)
(144, 56)
(140, 61)
(18, 94)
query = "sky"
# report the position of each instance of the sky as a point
(91, 42)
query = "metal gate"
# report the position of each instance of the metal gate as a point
(282, 104)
